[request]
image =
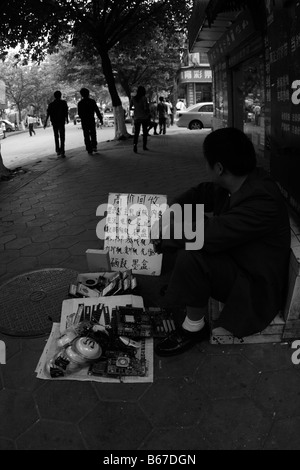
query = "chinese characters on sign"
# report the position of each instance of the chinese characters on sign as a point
(128, 222)
(197, 74)
(234, 36)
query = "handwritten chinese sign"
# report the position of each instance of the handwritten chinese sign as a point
(128, 232)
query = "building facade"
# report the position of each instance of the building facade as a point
(253, 49)
(195, 79)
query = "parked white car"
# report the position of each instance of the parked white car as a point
(9, 126)
(196, 116)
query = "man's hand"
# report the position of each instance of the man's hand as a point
(156, 246)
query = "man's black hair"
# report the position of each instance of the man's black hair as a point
(232, 148)
(57, 94)
(84, 92)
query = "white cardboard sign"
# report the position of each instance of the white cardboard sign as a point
(127, 232)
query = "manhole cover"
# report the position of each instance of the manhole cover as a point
(31, 302)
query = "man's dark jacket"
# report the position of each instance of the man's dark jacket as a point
(87, 107)
(58, 112)
(252, 227)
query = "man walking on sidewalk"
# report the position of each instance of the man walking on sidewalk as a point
(87, 108)
(58, 113)
(30, 122)
(162, 111)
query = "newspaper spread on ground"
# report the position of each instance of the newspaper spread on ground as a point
(69, 309)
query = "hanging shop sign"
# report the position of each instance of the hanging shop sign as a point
(240, 30)
(196, 75)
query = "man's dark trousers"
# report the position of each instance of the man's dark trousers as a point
(31, 129)
(59, 137)
(90, 136)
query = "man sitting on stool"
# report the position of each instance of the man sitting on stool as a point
(244, 259)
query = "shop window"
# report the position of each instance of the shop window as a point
(220, 93)
(253, 103)
(203, 92)
(203, 58)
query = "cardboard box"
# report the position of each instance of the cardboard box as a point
(98, 260)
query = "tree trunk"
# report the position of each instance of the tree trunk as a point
(120, 127)
(124, 84)
(3, 170)
(20, 113)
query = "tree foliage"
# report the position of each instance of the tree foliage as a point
(30, 85)
(150, 58)
(39, 26)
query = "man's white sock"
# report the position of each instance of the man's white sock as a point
(193, 326)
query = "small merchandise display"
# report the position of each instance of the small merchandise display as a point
(106, 339)
(85, 345)
(102, 284)
(105, 334)
(137, 322)
(88, 343)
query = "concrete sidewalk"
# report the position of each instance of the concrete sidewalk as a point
(212, 397)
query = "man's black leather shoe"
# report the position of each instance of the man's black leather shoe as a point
(180, 341)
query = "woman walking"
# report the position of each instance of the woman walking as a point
(141, 117)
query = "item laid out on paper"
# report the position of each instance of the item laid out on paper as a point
(103, 284)
(86, 345)
(128, 231)
(108, 339)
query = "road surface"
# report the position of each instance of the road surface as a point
(19, 149)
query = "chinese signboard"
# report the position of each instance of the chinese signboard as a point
(128, 223)
(195, 74)
(233, 37)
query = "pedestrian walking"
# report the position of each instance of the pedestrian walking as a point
(87, 108)
(180, 106)
(170, 113)
(131, 114)
(256, 111)
(58, 113)
(141, 117)
(30, 122)
(162, 111)
(153, 118)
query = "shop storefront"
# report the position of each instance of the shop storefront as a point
(283, 92)
(255, 62)
(238, 64)
(195, 80)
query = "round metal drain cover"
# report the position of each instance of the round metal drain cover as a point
(31, 302)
